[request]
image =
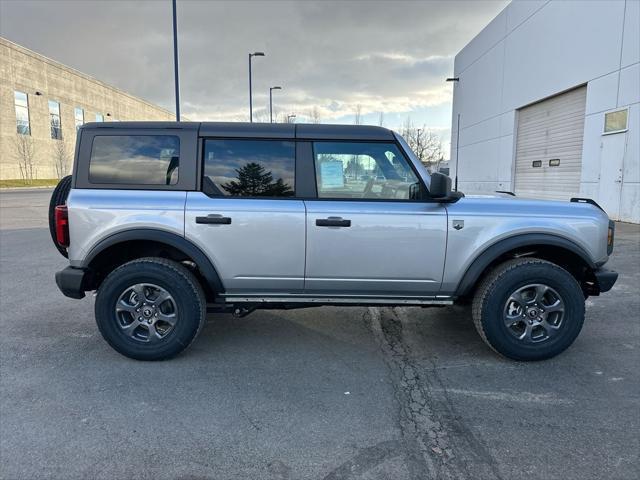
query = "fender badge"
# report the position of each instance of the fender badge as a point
(458, 224)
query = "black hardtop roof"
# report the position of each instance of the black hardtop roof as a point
(259, 130)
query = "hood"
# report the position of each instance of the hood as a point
(505, 203)
(477, 194)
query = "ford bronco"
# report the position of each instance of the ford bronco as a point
(166, 221)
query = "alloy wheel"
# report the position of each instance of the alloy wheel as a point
(534, 313)
(146, 312)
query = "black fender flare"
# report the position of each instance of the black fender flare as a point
(201, 260)
(491, 253)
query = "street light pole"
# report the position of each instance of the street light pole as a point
(251, 55)
(455, 81)
(457, 151)
(271, 89)
(175, 60)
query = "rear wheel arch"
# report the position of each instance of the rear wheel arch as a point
(123, 247)
(553, 248)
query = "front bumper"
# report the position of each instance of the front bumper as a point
(605, 279)
(72, 281)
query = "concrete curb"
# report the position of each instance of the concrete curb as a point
(17, 189)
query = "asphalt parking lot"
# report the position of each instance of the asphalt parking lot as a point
(328, 393)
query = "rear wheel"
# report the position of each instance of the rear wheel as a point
(529, 309)
(150, 309)
(58, 197)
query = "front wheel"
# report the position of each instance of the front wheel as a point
(529, 309)
(150, 309)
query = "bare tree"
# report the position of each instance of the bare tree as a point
(357, 120)
(381, 119)
(315, 115)
(61, 158)
(261, 115)
(26, 152)
(425, 144)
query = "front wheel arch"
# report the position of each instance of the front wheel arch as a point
(555, 249)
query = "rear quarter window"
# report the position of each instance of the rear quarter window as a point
(249, 168)
(135, 159)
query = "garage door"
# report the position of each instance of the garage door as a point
(549, 146)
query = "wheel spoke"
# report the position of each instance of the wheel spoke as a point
(140, 291)
(550, 328)
(517, 298)
(123, 306)
(168, 318)
(556, 306)
(541, 291)
(526, 335)
(161, 297)
(129, 329)
(154, 336)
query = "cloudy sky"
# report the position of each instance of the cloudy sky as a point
(386, 56)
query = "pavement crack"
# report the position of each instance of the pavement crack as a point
(254, 424)
(443, 447)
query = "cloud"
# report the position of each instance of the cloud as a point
(383, 56)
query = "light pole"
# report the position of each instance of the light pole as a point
(251, 55)
(175, 60)
(291, 117)
(455, 80)
(271, 89)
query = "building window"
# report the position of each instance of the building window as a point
(99, 117)
(22, 113)
(249, 168)
(135, 159)
(78, 115)
(615, 122)
(54, 118)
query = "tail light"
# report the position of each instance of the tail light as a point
(611, 233)
(62, 225)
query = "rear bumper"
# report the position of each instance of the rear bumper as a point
(71, 281)
(605, 279)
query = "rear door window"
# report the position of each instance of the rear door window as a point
(249, 168)
(135, 159)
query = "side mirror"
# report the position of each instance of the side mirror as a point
(440, 186)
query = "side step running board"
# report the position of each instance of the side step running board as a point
(364, 300)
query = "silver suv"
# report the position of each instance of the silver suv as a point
(167, 221)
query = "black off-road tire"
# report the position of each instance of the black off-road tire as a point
(175, 279)
(494, 291)
(58, 197)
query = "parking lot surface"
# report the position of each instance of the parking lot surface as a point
(325, 393)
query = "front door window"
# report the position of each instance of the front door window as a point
(358, 170)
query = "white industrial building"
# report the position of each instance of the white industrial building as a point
(548, 98)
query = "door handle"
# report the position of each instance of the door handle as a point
(214, 219)
(333, 222)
